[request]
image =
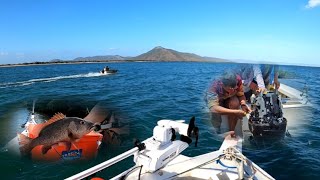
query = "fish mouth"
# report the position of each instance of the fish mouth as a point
(96, 127)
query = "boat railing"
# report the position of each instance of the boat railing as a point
(104, 165)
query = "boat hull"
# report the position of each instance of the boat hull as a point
(108, 72)
(291, 101)
(211, 165)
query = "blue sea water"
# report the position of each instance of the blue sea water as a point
(141, 93)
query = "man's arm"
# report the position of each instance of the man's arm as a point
(276, 74)
(242, 100)
(258, 76)
(215, 107)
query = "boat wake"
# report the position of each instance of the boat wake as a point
(46, 80)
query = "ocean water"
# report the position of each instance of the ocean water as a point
(140, 94)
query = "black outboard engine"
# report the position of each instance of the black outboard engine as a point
(266, 118)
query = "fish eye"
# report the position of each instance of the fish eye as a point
(81, 122)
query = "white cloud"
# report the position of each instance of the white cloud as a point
(4, 53)
(112, 49)
(313, 3)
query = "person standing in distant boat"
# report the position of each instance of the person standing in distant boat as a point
(252, 79)
(226, 96)
(258, 78)
(270, 75)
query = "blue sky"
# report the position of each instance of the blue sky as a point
(260, 30)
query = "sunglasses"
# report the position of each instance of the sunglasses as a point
(230, 89)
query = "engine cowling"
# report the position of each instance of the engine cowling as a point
(267, 119)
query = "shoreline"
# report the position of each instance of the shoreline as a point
(91, 62)
(53, 63)
(137, 61)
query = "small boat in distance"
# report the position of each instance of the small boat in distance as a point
(106, 70)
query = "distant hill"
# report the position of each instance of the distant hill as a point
(213, 59)
(101, 58)
(93, 59)
(156, 54)
(162, 54)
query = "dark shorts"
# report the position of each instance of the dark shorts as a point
(216, 118)
(250, 92)
(248, 95)
(225, 102)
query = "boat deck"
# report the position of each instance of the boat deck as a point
(212, 165)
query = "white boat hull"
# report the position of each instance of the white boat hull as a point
(108, 72)
(226, 163)
(205, 166)
(291, 100)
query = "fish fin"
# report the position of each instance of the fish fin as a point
(70, 135)
(68, 146)
(56, 117)
(25, 144)
(45, 149)
(34, 129)
(23, 140)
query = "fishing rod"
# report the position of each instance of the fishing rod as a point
(31, 116)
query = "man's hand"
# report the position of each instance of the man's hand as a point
(240, 113)
(245, 108)
(261, 89)
(276, 84)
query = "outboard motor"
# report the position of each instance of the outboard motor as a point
(266, 118)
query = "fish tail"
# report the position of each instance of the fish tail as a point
(23, 140)
(25, 144)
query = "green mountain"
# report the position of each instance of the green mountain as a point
(101, 58)
(162, 54)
